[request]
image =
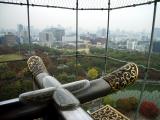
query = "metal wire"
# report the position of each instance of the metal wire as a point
(116, 60)
(107, 37)
(148, 60)
(77, 5)
(36, 3)
(83, 4)
(132, 5)
(123, 3)
(94, 5)
(94, 56)
(29, 32)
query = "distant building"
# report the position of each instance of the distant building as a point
(69, 42)
(2, 40)
(112, 44)
(142, 46)
(69, 38)
(131, 44)
(22, 33)
(24, 37)
(144, 38)
(100, 45)
(57, 33)
(157, 34)
(122, 45)
(156, 46)
(9, 40)
(51, 36)
(101, 33)
(20, 29)
(46, 38)
(92, 36)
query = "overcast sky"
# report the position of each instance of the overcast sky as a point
(129, 19)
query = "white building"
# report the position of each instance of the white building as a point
(70, 38)
(131, 45)
(46, 39)
(142, 46)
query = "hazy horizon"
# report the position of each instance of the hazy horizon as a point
(129, 19)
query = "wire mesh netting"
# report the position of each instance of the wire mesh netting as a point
(123, 3)
(83, 4)
(79, 62)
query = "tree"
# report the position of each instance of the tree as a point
(97, 51)
(92, 73)
(65, 78)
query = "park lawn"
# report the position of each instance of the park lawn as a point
(10, 57)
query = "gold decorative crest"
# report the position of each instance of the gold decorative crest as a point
(36, 65)
(122, 77)
(108, 113)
